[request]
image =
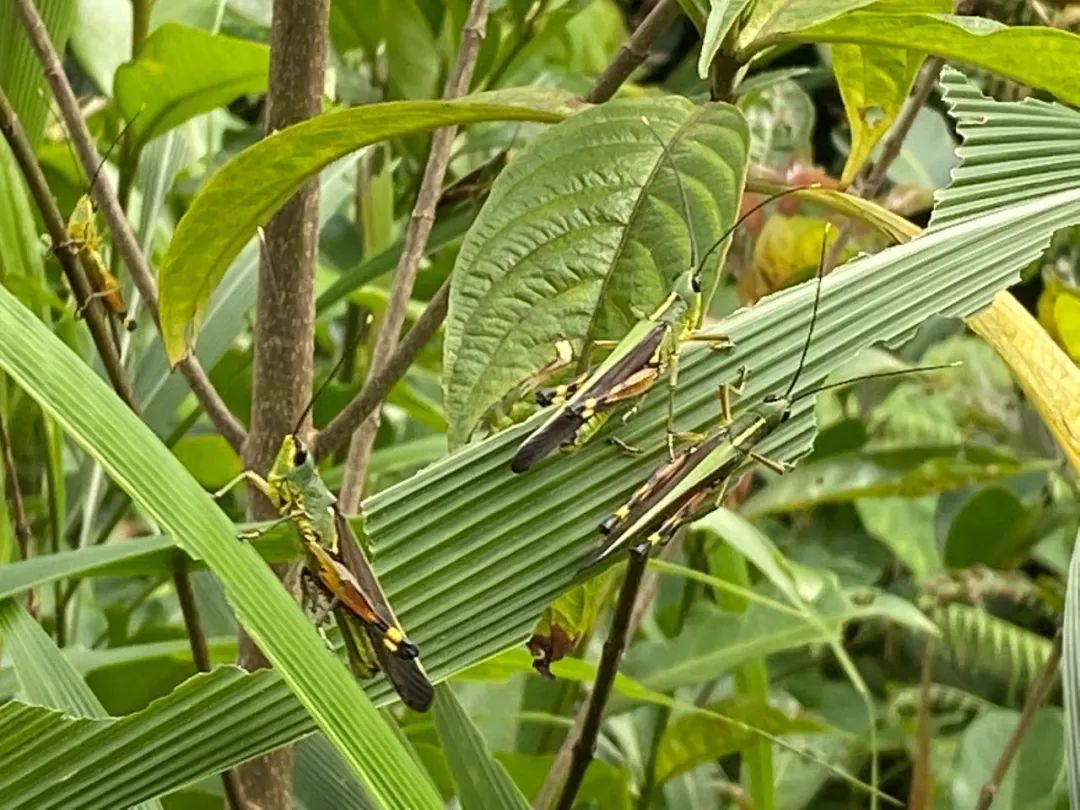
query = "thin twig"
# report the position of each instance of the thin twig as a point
(1040, 688)
(123, 238)
(634, 51)
(416, 239)
(18, 510)
(585, 745)
(377, 386)
(560, 766)
(96, 320)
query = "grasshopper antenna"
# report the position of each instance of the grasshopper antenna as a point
(105, 157)
(877, 376)
(682, 191)
(345, 354)
(753, 210)
(813, 312)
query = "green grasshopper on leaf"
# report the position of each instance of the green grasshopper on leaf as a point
(85, 241)
(695, 481)
(338, 576)
(637, 361)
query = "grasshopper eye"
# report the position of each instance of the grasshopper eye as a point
(770, 398)
(695, 283)
(300, 456)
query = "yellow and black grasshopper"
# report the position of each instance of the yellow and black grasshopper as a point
(85, 241)
(637, 361)
(338, 577)
(694, 481)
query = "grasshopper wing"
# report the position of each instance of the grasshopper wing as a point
(406, 675)
(597, 393)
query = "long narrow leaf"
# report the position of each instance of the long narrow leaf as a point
(93, 416)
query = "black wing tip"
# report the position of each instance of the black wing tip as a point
(411, 684)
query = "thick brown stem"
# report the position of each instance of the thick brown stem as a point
(416, 238)
(285, 314)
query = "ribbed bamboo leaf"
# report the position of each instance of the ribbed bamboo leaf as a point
(582, 232)
(1070, 665)
(471, 553)
(481, 781)
(249, 188)
(1012, 151)
(91, 414)
(46, 677)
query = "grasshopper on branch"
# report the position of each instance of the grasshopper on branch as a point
(637, 361)
(337, 576)
(85, 241)
(695, 481)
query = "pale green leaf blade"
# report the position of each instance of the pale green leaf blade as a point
(1047, 58)
(481, 780)
(773, 18)
(584, 228)
(181, 72)
(694, 739)
(1070, 665)
(873, 83)
(722, 15)
(92, 415)
(249, 188)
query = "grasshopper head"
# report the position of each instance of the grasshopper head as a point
(775, 409)
(293, 461)
(688, 285)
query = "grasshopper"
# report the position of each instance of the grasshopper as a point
(338, 576)
(638, 360)
(85, 241)
(680, 490)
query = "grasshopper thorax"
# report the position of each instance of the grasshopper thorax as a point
(775, 409)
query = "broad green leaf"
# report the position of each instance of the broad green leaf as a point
(1011, 151)
(482, 782)
(909, 471)
(320, 778)
(722, 15)
(1046, 58)
(773, 18)
(91, 415)
(249, 188)
(160, 392)
(906, 527)
(182, 72)
(873, 82)
(694, 739)
(992, 528)
(1035, 776)
(20, 247)
(584, 228)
